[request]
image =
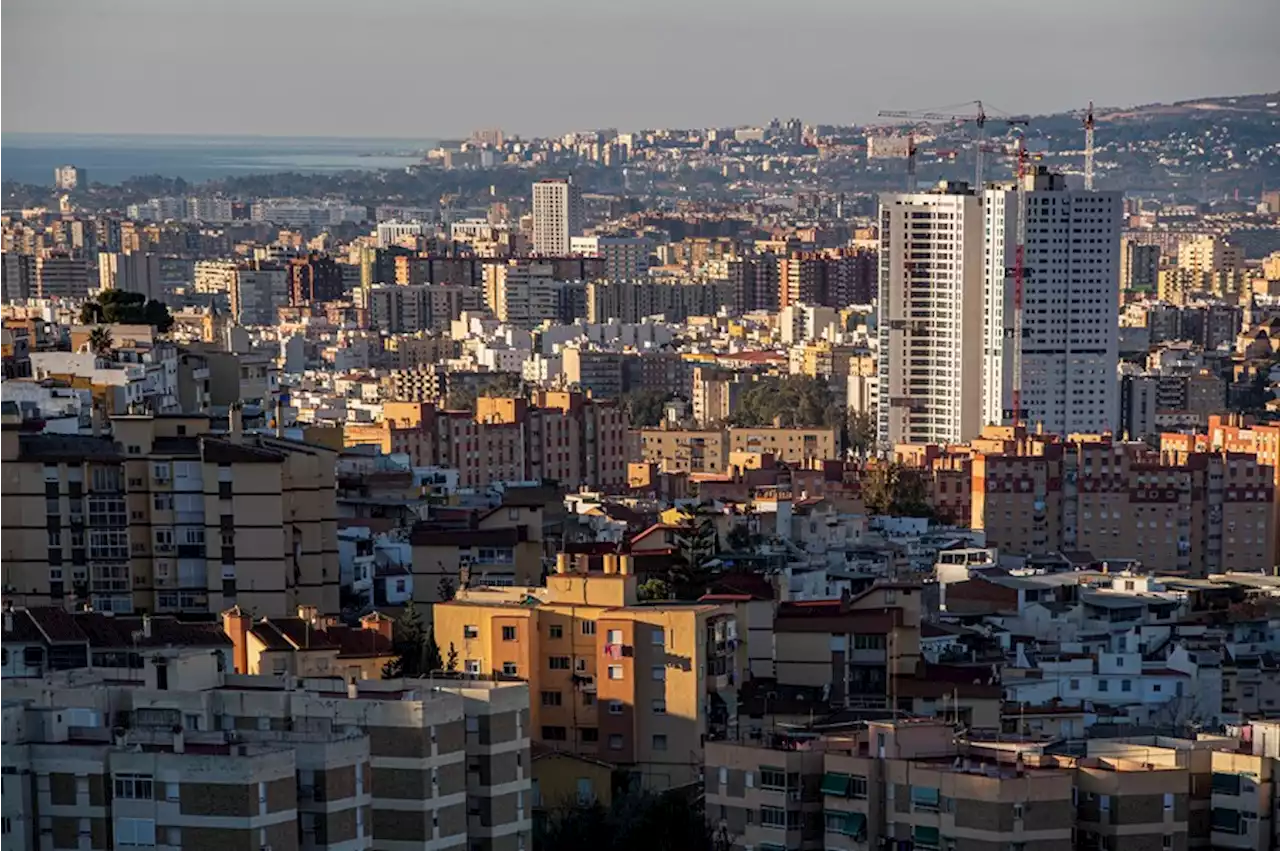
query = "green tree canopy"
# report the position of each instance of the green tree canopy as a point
(417, 653)
(896, 490)
(793, 400)
(462, 394)
(644, 407)
(117, 307)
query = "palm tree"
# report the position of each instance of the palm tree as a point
(100, 342)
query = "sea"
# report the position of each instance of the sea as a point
(32, 157)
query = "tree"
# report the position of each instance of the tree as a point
(654, 589)
(645, 407)
(795, 400)
(446, 589)
(100, 342)
(896, 490)
(118, 307)
(431, 654)
(861, 432)
(671, 821)
(451, 664)
(412, 646)
(696, 545)
(462, 394)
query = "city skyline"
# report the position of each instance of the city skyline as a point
(1173, 51)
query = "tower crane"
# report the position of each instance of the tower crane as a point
(978, 116)
(1088, 148)
(1019, 277)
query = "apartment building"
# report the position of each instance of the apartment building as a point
(257, 293)
(166, 517)
(526, 293)
(1070, 301)
(1193, 511)
(709, 450)
(931, 316)
(637, 685)
(313, 279)
(630, 301)
(426, 383)
(553, 435)
(499, 547)
(210, 760)
(134, 272)
(557, 217)
(62, 275)
(626, 258)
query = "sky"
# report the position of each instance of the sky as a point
(440, 68)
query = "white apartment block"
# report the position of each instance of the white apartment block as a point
(132, 272)
(931, 316)
(390, 233)
(557, 216)
(1070, 335)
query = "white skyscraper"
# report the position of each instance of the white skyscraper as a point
(1070, 305)
(557, 217)
(930, 316)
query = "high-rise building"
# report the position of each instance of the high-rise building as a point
(313, 279)
(1139, 267)
(19, 272)
(257, 292)
(557, 216)
(527, 293)
(60, 274)
(69, 177)
(132, 272)
(1070, 328)
(931, 316)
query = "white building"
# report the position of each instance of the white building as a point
(1070, 337)
(68, 177)
(209, 209)
(931, 316)
(557, 216)
(626, 257)
(390, 233)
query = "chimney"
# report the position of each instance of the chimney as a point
(353, 689)
(562, 562)
(146, 626)
(624, 565)
(235, 624)
(610, 564)
(582, 563)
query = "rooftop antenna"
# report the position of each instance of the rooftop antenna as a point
(1088, 148)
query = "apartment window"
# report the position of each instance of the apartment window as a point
(1103, 685)
(615, 742)
(615, 672)
(135, 831)
(773, 817)
(160, 471)
(509, 669)
(1019, 811)
(659, 637)
(659, 673)
(556, 631)
(1074, 685)
(137, 787)
(558, 663)
(1104, 803)
(924, 798)
(588, 627)
(551, 698)
(1168, 801)
(471, 631)
(471, 666)
(1126, 685)
(659, 706)
(162, 502)
(508, 633)
(614, 636)
(659, 742)
(773, 778)
(615, 707)
(555, 734)
(590, 735)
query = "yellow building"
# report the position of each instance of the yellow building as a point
(638, 685)
(166, 517)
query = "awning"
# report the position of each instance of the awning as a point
(926, 837)
(855, 824)
(836, 784)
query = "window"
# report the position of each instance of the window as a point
(1103, 685)
(471, 631)
(160, 471)
(615, 742)
(555, 734)
(162, 502)
(774, 817)
(471, 666)
(660, 673)
(1104, 803)
(559, 663)
(135, 831)
(614, 636)
(924, 798)
(615, 707)
(551, 698)
(1126, 685)
(659, 742)
(659, 706)
(590, 735)
(556, 631)
(659, 637)
(1168, 801)
(615, 672)
(588, 627)
(1019, 811)
(137, 787)
(509, 669)
(772, 778)
(508, 633)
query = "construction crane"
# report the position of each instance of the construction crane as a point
(979, 118)
(1019, 276)
(1088, 148)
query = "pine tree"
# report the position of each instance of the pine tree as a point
(431, 653)
(452, 663)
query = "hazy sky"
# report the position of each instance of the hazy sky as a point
(432, 68)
